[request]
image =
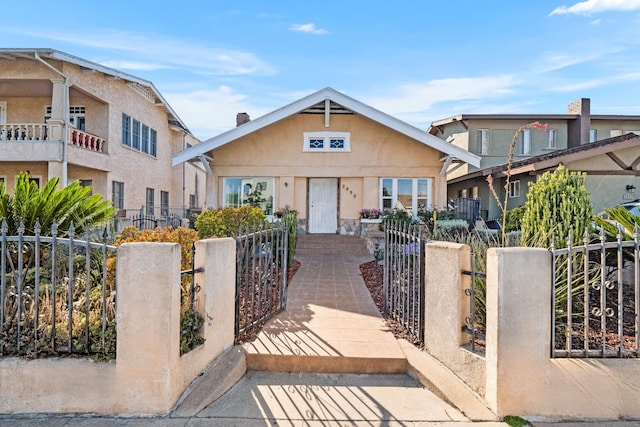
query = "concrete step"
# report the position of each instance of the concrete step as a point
(330, 244)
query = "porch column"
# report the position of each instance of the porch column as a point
(440, 193)
(211, 191)
(58, 101)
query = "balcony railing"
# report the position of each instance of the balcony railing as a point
(13, 132)
(86, 140)
(23, 132)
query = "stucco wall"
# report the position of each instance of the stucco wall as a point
(105, 99)
(376, 151)
(148, 375)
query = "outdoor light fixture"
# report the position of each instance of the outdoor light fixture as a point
(631, 188)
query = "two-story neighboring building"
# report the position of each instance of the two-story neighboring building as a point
(63, 116)
(490, 137)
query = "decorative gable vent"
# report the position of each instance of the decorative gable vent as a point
(144, 91)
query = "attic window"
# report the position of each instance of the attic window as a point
(327, 142)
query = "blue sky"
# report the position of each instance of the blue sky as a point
(419, 60)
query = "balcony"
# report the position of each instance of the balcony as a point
(29, 132)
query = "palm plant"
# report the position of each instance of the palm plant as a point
(51, 205)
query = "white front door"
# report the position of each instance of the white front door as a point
(323, 205)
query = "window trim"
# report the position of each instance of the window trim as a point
(514, 189)
(415, 207)
(164, 204)
(552, 139)
(150, 201)
(524, 141)
(119, 203)
(327, 137)
(482, 139)
(253, 179)
(139, 136)
(593, 135)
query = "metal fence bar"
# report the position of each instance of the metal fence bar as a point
(603, 277)
(261, 276)
(32, 320)
(194, 329)
(403, 276)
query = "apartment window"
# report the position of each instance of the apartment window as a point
(153, 138)
(164, 203)
(150, 200)
(87, 183)
(615, 132)
(514, 189)
(593, 135)
(327, 141)
(139, 136)
(408, 194)
(192, 201)
(144, 139)
(76, 115)
(483, 141)
(117, 194)
(258, 192)
(524, 142)
(126, 130)
(552, 136)
(135, 134)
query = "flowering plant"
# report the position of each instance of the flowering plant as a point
(370, 213)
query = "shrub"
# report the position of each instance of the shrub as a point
(514, 219)
(228, 222)
(62, 206)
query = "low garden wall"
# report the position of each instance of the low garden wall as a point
(148, 375)
(517, 375)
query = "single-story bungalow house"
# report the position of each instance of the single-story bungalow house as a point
(328, 156)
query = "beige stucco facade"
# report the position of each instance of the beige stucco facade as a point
(37, 88)
(379, 162)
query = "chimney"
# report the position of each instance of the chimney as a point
(242, 118)
(579, 128)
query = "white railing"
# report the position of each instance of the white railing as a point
(42, 132)
(23, 132)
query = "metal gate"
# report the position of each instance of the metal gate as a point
(404, 271)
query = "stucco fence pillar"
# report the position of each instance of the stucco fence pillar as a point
(522, 378)
(445, 308)
(148, 375)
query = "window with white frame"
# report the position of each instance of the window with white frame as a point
(408, 194)
(552, 138)
(253, 191)
(76, 115)
(593, 135)
(514, 189)
(327, 141)
(150, 201)
(524, 142)
(615, 132)
(483, 141)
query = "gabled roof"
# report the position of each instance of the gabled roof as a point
(142, 85)
(555, 158)
(339, 104)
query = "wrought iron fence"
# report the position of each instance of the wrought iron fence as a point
(596, 298)
(261, 276)
(191, 320)
(474, 322)
(57, 294)
(404, 271)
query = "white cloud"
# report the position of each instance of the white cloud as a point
(590, 7)
(208, 113)
(552, 61)
(596, 22)
(133, 65)
(164, 52)
(414, 102)
(308, 28)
